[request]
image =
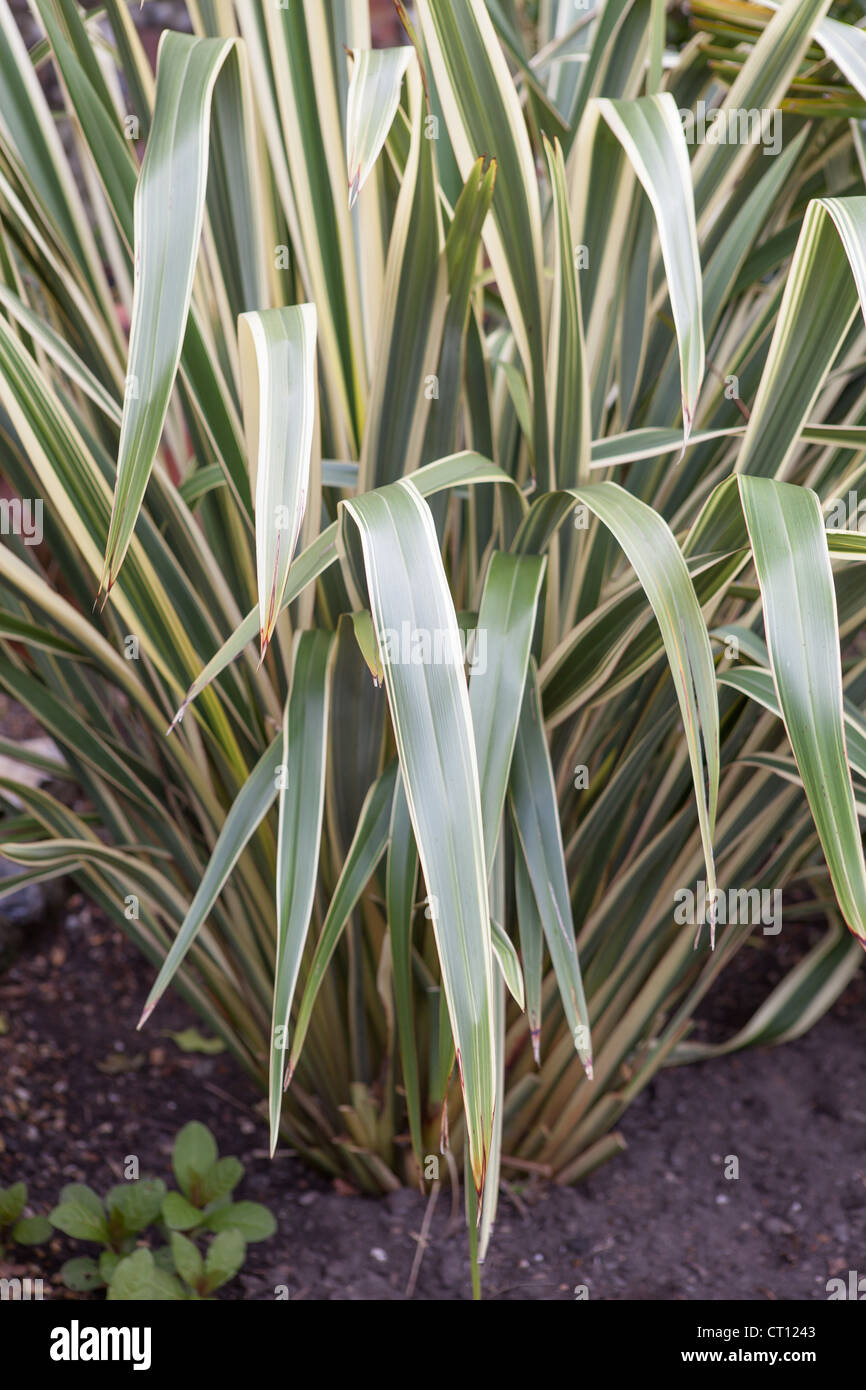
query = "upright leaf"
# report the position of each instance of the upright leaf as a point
(430, 711)
(827, 275)
(173, 175)
(278, 365)
(302, 802)
(506, 624)
(484, 117)
(374, 95)
(538, 838)
(244, 818)
(651, 133)
(568, 382)
(411, 318)
(400, 884)
(793, 564)
(367, 847)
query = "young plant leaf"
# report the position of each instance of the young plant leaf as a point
(187, 1259)
(80, 1214)
(250, 1219)
(135, 1204)
(179, 1214)
(193, 1155)
(226, 1253)
(82, 1274)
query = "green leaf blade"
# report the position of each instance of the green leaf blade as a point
(430, 710)
(793, 564)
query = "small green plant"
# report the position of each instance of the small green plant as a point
(15, 1228)
(146, 1276)
(177, 1269)
(115, 1223)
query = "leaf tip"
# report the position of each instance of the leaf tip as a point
(178, 717)
(688, 421)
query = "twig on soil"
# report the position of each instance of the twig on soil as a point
(423, 1239)
(232, 1100)
(522, 1208)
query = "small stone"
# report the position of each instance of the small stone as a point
(774, 1226)
(25, 906)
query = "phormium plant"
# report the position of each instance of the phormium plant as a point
(477, 365)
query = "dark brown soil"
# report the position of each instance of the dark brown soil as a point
(84, 1090)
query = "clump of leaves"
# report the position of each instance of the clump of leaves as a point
(16, 1228)
(177, 1268)
(115, 1223)
(206, 1182)
(147, 1276)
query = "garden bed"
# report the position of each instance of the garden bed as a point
(84, 1090)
